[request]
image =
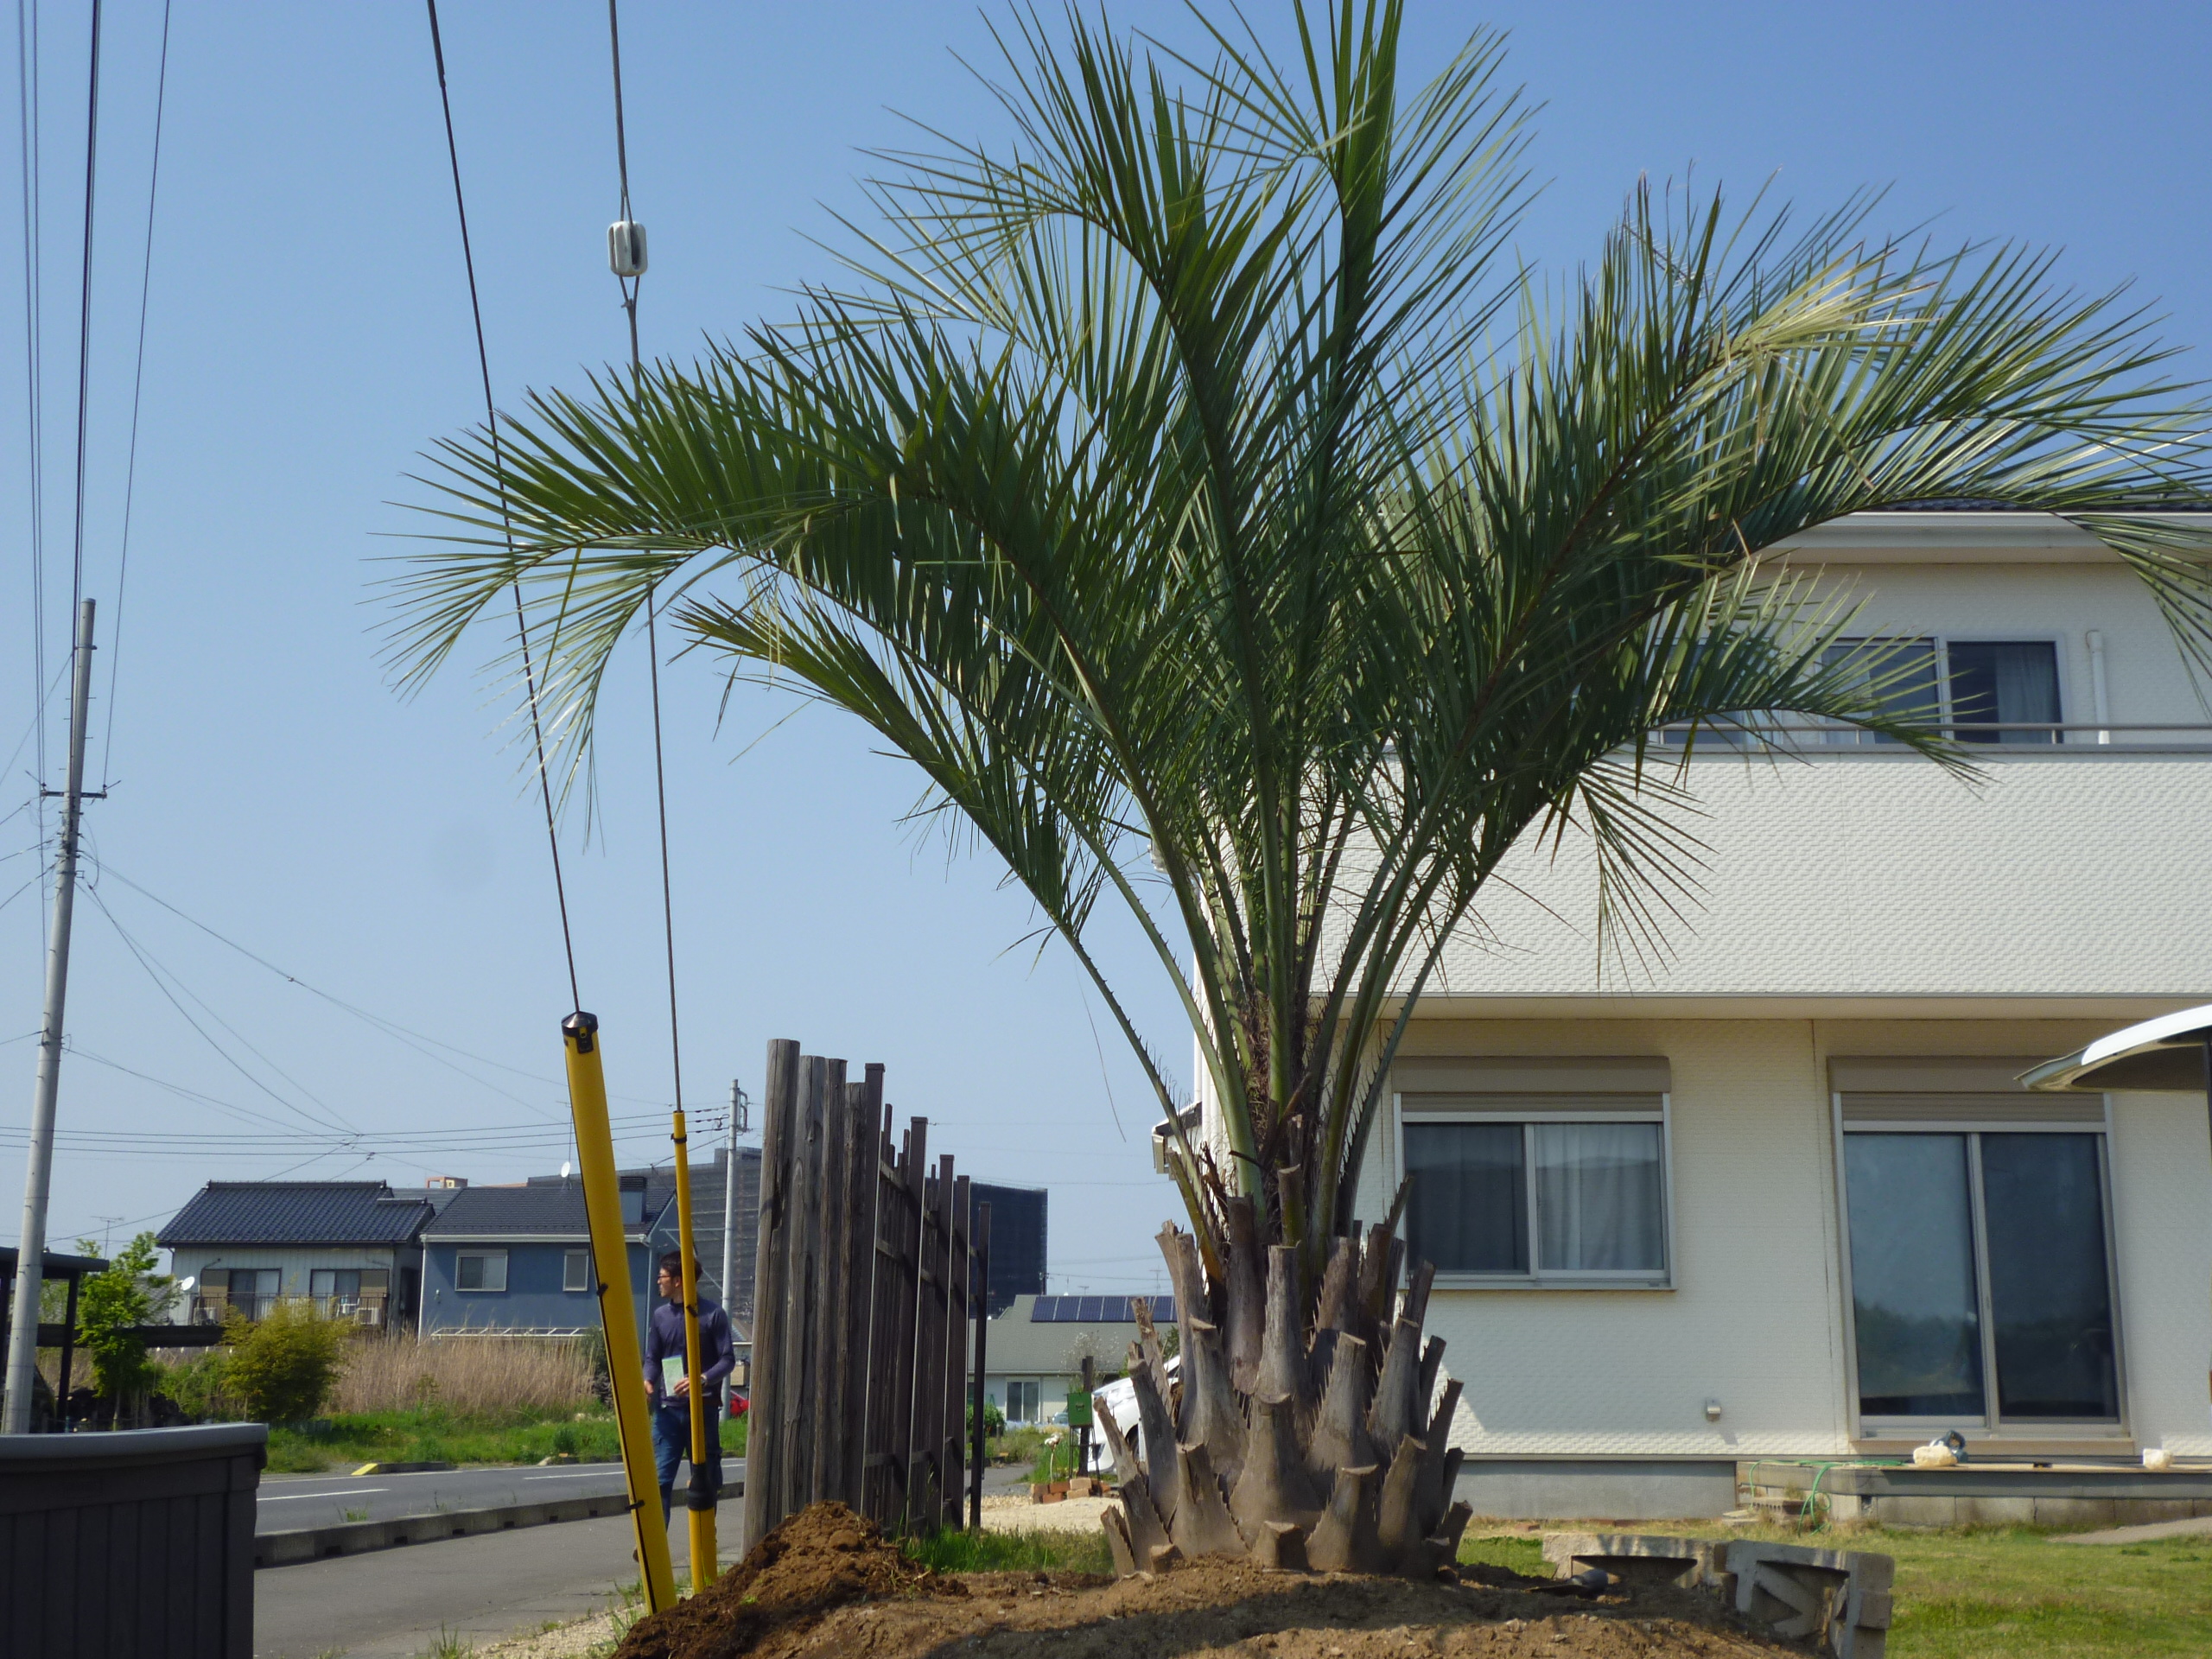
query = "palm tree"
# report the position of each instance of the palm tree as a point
(1227, 530)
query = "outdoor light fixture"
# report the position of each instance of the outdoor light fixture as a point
(1713, 1411)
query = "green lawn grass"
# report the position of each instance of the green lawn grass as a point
(435, 1435)
(1974, 1593)
(957, 1551)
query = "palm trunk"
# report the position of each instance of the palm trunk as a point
(1299, 1432)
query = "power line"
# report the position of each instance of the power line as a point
(137, 385)
(153, 973)
(506, 524)
(403, 1034)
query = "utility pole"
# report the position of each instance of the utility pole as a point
(737, 1127)
(38, 1170)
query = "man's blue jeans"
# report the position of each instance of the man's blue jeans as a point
(672, 1444)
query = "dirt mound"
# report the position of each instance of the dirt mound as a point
(825, 1583)
(822, 1558)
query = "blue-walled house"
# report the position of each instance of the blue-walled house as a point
(518, 1258)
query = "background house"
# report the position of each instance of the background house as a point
(1776, 1193)
(1034, 1352)
(518, 1258)
(353, 1247)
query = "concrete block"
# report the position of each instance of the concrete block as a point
(1635, 1557)
(1996, 1511)
(1894, 1510)
(1840, 1598)
(1619, 1488)
(2075, 1512)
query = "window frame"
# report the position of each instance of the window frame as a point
(570, 1260)
(1992, 1423)
(1537, 1277)
(480, 1254)
(1947, 721)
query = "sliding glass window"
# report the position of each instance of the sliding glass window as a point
(1981, 1277)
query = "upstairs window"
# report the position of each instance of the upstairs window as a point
(1976, 690)
(575, 1270)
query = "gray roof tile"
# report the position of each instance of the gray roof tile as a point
(297, 1212)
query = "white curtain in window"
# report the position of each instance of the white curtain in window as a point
(1599, 1207)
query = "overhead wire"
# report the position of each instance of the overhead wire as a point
(506, 523)
(405, 1035)
(140, 955)
(138, 387)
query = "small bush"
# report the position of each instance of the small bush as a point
(284, 1368)
(994, 1419)
(196, 1383)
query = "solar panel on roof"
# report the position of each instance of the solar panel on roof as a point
(1097, 1310)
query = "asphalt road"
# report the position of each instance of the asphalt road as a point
(395, 1604)
(289, 1502)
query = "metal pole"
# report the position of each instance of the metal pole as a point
(980, 1294)
(700, 1496)
(618, 1308)
(729, 1233)
(38, 1169)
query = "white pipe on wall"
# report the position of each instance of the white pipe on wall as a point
(2099, 702)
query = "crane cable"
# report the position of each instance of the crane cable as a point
(84, 314)
(137, 388)
(629, 286)
(507, 521)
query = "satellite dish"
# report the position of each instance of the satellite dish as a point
(186, 1284)
(565, 1167)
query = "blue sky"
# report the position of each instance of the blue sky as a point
(307, 338)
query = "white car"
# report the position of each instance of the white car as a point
(1120, 1397)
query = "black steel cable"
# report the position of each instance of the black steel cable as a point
(492, 421)
(34, 379)
(138, 386)
(652, 639)
(85, 315)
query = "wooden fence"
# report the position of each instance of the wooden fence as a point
(860, 1376)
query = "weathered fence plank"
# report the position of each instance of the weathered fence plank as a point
(764, 1496)
(863, 1292)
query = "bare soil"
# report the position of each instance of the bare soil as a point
(827, 1583)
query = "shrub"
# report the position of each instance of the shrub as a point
(994, 1419)
(283, 1369)
(196, 1383)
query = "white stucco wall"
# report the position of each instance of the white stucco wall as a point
(1756, 1317)
(1873, 875)
(2162, 1226)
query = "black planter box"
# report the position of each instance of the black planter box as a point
(137, 1545)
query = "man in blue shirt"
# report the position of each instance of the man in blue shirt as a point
(670, 1397)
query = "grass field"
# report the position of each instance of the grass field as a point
(436, 1434)
(1973, 1594)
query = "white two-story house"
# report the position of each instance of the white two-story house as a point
(1782, 1196)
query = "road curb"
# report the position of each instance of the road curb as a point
(359, 1537)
